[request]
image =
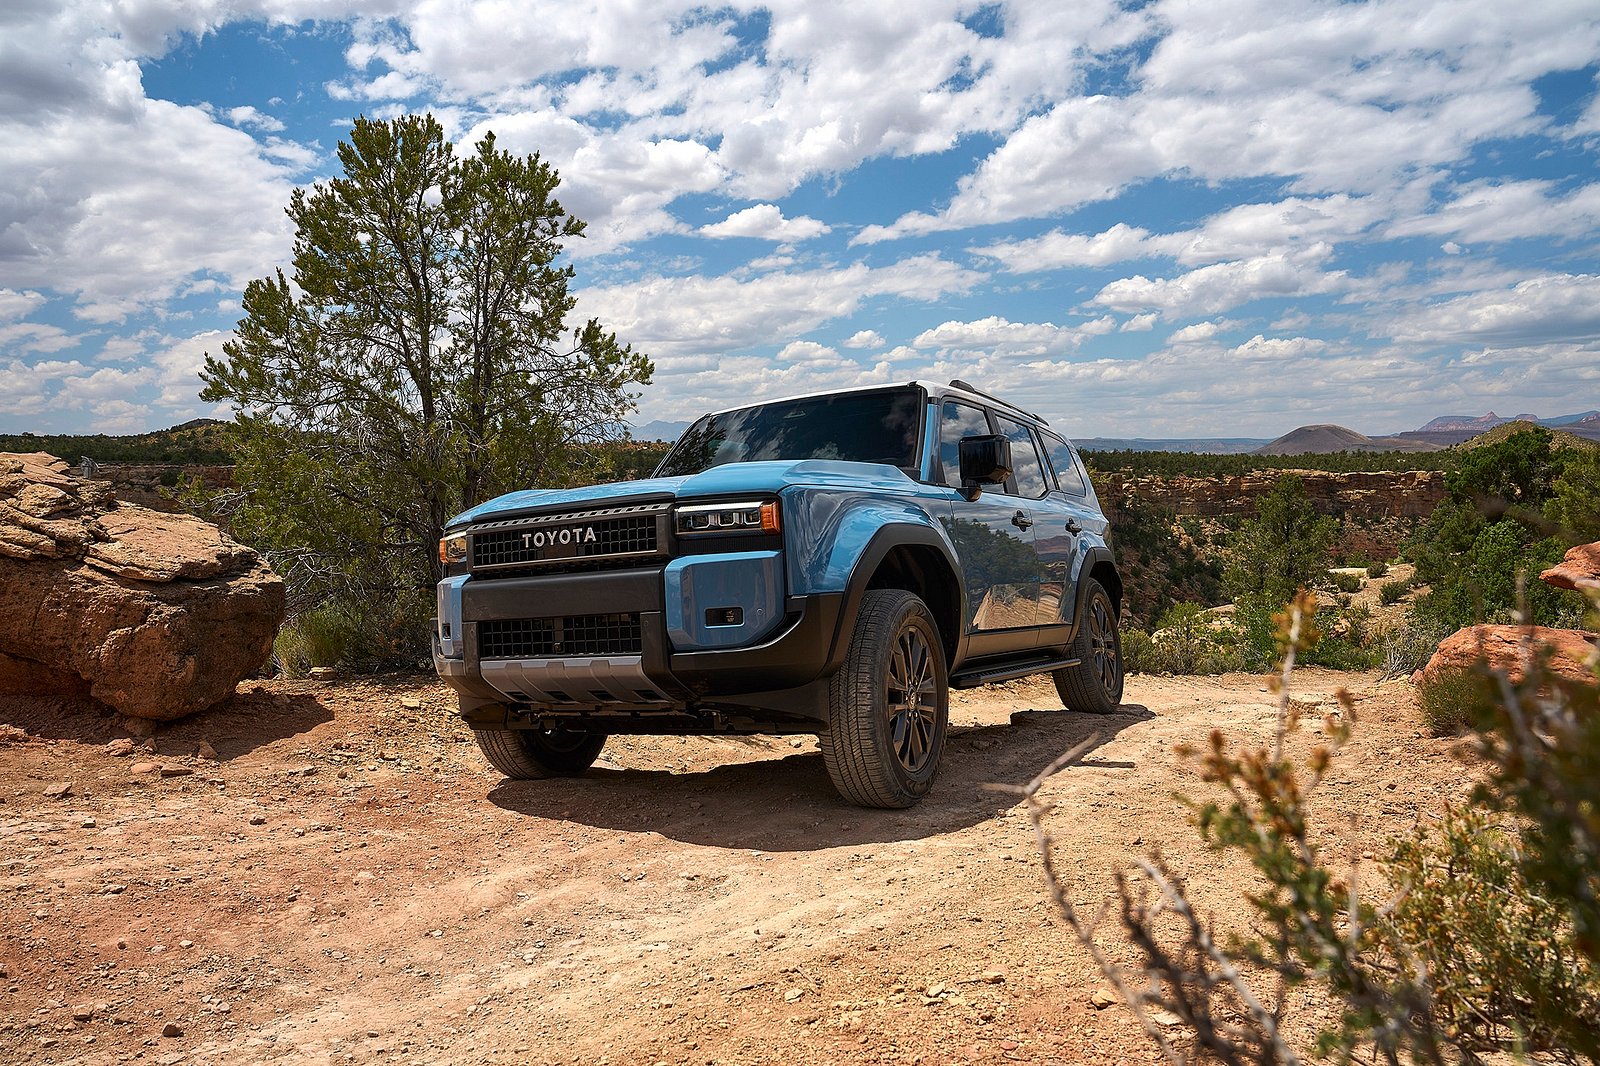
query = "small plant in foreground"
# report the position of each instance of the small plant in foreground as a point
(1391, 592)
(1416, 978)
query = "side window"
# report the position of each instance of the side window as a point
(1026, 467)
(957, 420)
(1069, 475)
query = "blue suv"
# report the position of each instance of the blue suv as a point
(832, 564)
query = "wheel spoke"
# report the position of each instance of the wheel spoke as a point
(911, 698)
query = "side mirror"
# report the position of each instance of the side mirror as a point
(985, 460)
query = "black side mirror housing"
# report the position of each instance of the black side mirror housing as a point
(985, 460)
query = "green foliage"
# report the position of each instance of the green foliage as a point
(358, 634)
(1494, 531)
(199, 445)
(1391, 592)
(1491, 941)
(1347, 582)
(1407, 647)
(1197, 465)
(1377, 569)
(1505, 965)
(1139, 652)
(1189, 640)
(1282, 549)
(1451, 701)
(415, 362)
(1160, 567)
(1574, 505)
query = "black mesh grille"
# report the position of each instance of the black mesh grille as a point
(574, 541)
(573, 636)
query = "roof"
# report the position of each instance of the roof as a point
(956, 388)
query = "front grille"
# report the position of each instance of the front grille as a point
(569, 637)
(576, 540)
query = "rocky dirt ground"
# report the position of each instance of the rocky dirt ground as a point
(330, 873)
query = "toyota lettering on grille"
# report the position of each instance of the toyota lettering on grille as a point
(570, 536)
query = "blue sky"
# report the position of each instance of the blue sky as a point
(1226, 218)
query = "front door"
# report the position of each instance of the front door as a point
(993, 537)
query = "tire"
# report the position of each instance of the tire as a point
(884, 741)
(524, 754)
(1095, 684)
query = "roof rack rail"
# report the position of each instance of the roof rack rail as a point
(957, 383)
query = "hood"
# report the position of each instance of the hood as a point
(728, 479)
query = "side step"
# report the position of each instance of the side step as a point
(986, 675)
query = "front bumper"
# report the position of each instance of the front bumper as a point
(775, 679)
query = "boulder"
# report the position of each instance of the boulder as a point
(1501, 648)
(1579, 569)
(158, 615)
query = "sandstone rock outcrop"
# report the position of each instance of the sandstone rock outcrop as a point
(158, 615)
(1501, 648)
(1579, 569)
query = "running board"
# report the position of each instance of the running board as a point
(1008, 672)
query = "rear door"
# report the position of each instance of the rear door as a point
(1065, 517)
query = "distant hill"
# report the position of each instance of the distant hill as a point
(1327, 439)
(199, 442)
(1558, 438)
(659, 430)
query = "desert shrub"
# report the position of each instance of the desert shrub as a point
(1391, 592)
(1492, 942)
(1450, 701)
(322, 636)
(359, 635)
(1140, 655)
(1408, 646)
(1189, 640)
(1347, 582)
(1376, 570)
(1505, 965)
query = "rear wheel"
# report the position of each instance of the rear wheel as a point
(532, 753)
(888, 706)
(1095, 684)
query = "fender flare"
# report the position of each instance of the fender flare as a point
(885, 540)
(1091, 559)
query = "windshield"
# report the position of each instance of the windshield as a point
(862, 427)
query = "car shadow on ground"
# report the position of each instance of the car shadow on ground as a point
(789, 804)
(237, 726)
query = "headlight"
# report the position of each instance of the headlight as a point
(704, 519)
(453, 550)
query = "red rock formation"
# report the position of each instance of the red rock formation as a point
(1501, 648)
(1579, 569)
(159, 615)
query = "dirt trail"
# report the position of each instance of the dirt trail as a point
(348, 882)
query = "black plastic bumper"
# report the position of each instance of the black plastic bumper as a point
(778, 675)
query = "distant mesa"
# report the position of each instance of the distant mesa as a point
(1449, 430)
(1327, 439)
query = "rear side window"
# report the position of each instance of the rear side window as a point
(1026, 467)
(957, 420)
(1069, 472)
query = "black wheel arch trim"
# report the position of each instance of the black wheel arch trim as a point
(1093, 558)
(884, 541)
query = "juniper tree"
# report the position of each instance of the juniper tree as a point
(415, 359)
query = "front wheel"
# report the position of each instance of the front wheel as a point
(888, 706)
(1095, 684)
(532, 753)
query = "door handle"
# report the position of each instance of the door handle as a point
(1073, 527)
(1021, 520)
